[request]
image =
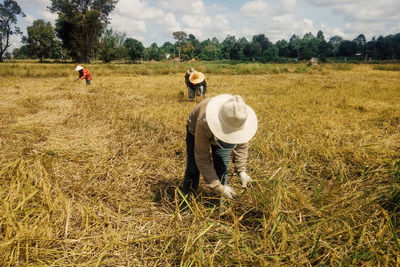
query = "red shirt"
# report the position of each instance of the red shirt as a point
(85, 74)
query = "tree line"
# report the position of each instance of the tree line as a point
(81, 33)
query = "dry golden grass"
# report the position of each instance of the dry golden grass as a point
(88, 176)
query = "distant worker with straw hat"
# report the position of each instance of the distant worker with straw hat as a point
(223, 124)
(84, 74)
(195, 82)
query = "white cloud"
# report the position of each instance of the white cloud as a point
(362, 10)
(139, 10)
(37, 3)
(170, 22)
(130, 26)
(196, 22)
(221, 23)
(254, 8)
(184, 7)
(51, 17)
(288, 6)
(394, 29)
(29, 19)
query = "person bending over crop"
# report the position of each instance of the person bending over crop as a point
(195, 82)
(84, 74)
(223, 124)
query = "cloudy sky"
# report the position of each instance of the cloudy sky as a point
(154, 20)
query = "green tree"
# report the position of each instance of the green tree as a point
(238, 49)
(134, 48)
(295, 44)
(153, 52)
(283, 48)
(80, 24)
(181, 38)
(271, 54)
(335, 42)
(227, 46)
(310, 46)
(196, 44)
(110, 45)
(207, 53)
(252, 51)
(187, 51)
(21, 53)
(9, 10)
(216, 45)
(323, 47)
(361, 42)
(263, 41)
(347, 48)
(168, 48)
(41, 39)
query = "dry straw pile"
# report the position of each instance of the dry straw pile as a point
(88, 176)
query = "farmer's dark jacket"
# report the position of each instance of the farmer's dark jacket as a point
(197, 86)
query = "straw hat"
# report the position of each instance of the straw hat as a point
(230, 119)
(78, 68)
(196, 77)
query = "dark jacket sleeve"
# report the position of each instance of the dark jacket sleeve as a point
(204, 86)
(187, 75)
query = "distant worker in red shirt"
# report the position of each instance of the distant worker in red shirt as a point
(84, 74)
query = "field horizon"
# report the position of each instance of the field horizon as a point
(89, 175)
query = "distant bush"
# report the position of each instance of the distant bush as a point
(301, 69)
(387, 67)
(343, 66)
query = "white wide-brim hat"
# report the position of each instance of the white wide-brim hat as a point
(230, 119)
(78, 68)
(196, 77)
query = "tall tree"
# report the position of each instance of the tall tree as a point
(153, 52)
(310, 46)
(187, 51)
(80, 24)
(323, 47)
(227, 46)
(135, 49)
(21, 53)
(263, 41)
(270, 54)
(347, 48)
(253, 51)
(283, 48)
(41, 39)
(335, 42)
(361, 42)
(215, 43)
(168, 49)
(196, 44)
(9, 10)
(181, 38)
(110, 45)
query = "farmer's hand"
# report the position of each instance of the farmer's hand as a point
(244, 178)
(228, 192)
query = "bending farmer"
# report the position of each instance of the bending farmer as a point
(84, 74)
(223, 124)
(195, 82)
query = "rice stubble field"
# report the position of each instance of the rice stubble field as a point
(89, 175)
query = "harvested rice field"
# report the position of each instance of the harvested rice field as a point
(89, 176)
